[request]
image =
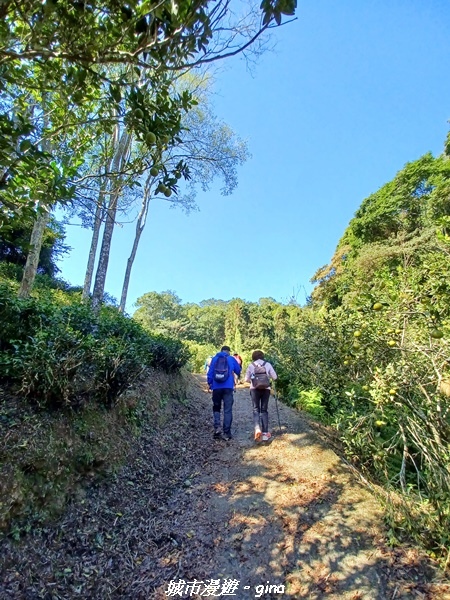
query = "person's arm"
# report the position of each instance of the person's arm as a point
(271, 372)
(248, 374)
(210, 373)
(236, 366)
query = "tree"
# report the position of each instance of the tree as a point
(236, 323)
(206, 149)
(374, 343)
(99, 214)
(104, 51)
(161, 313)
(141, 34)
(119, 161)
(206, 322)
(98, 49)
(15, 239)
(39, 158)
(162, 122)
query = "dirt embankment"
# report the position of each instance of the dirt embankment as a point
(193, 517)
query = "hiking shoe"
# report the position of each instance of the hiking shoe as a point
(266, 437)
(217, 434)
(227, 436)
(258, 436)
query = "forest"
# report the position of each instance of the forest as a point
(97, 121)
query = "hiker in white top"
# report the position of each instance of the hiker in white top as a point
(259, 373)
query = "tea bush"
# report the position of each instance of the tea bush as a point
(61, 353)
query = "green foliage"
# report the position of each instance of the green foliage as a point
(375, 343)
(308, 400)
(107, 31)
(205, 327)
(106, 63)
(206, 322)
(10, 272)
(15, 244)
(62, 355)
(198, 355)
(160, 313)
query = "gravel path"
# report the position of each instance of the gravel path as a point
(229, 519)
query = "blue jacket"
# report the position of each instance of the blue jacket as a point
(233, 366)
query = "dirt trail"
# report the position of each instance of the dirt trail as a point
(289, 514)
(292, 513)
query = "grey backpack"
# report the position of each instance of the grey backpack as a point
(260, 379)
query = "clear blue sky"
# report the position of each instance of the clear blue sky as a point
(352, 92)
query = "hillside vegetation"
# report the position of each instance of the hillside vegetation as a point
(369, 353)
(70, 404)
(105, 108)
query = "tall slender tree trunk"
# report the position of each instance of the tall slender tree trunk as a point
(119, 160)
(98, 219)
(93, 249)
(37, 237)
(36, 240)
(140, 224)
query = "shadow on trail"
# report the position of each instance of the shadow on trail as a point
(188, 508)
(287, 520)
(300, 528)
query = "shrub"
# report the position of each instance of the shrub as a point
(198, 355)
(10, 272)
(308, 400)
(379, 358)
(61, 354)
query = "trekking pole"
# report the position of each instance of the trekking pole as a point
(276, 405)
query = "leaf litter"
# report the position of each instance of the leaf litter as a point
(187, 507)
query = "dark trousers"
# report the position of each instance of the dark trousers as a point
(225, 396)
(260, 400)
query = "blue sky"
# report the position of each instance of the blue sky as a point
(352, 91)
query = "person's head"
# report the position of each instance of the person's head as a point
(235, 354)
(258, 355)
(226, 349)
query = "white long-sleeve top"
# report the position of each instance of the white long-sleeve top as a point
(251, 369)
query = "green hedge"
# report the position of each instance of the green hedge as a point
(61, 354)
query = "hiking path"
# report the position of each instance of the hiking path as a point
(194, 517)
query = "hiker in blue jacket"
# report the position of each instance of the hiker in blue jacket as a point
(221, 381)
